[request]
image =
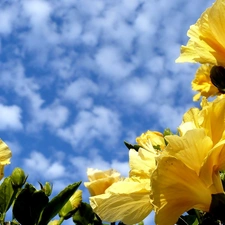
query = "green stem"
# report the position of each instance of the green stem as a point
(198, 216)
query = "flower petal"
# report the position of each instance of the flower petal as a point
(189, 148)
(5, 153)
(141, 163)
(100, 180)
(124, 201)
(175, 190)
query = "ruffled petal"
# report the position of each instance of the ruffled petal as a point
(125, 201)
(5, 153)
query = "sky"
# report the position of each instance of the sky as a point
(78, 78)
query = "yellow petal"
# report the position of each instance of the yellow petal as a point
(202, 82)
(5, 153)
(150, 139)
(126, 201)
(216, 24)
(214, 162)
(189, 148)
(190, 121)
(184, 127)
(213, 119)
(175, 190)
(206, 44)
(100, 180)
(141, 163)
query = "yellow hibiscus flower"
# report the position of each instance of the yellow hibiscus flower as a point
(5, 155)
(207, 43)
(186, 176)
(128, 200)
(202, 83)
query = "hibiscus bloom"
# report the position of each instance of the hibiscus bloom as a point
(127, 200)
(207, 43)
(186, 176)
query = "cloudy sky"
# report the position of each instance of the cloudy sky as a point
(80, 77)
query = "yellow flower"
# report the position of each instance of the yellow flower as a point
(207, 43)
(151, 140)
(100, 180)
(5, 155)
(127, 201)
(187, 174)
(203, 84)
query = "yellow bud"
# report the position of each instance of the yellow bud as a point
(73, 203)
(53, 222)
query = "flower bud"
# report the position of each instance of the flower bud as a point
(18, 177)
(53, 222)
(73, 203)
(47, 188)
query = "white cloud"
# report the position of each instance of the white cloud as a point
(111, 63)
(99, 124)
(169, 116)
(37, 165)
(54, 115)
(81, 92)
(7, 19)
(38, 11)
(14, 146)
(10, 117)
(136, 91)
(15, 79)
(93, 159)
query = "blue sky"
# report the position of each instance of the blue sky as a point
(80, 77)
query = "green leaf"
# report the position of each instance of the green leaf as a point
(84, 215)
(130, 146)
(188, 220)
(7, 195)
(29, 205)
(54, 206)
